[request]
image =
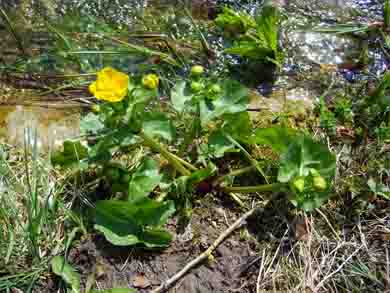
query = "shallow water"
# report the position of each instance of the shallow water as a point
(44, 126)
(309, 55)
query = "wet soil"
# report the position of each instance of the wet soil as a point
(124, 267)
(233, 268)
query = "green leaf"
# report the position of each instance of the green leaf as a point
(156, 238)
(116, 239)
(237, 125)
(303, 158)
(304, 154)
(268, 26)
(120, 221)
(64, 270)
(235, 22)
(118, 138)
(218, 145)
(259, 37)
(141, 95)
(386, 14)
(90, 124)
(249, 49)
(157, 124)
(144, 180)
(115, 290)
(233, 99)
(179, 97)
(201, 175)
(379, 189)
(152, 213)
(125, 223)
(279, 138)
(71, 156)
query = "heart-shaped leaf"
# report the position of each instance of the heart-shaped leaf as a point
(310, 168)
(91, 124)
(144, 180)
(117, 138)
(218, 145)
(157, 124)
(117, 239)
(234, 98)
(179, 97)
(305, 154)
(278, 138)
(237, 125)
(125, 223)
(156, 237)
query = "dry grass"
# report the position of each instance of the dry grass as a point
(32, 217)
(320, 262)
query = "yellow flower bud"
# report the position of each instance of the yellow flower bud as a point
(319, 183)
(197, 70)
(95, 108)
(215, 89)
(299, 184)
(151, 81)
(196, 86)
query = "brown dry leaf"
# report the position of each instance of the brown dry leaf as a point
(386, 236)
(346, 134)
(141, 282)
(301, 230)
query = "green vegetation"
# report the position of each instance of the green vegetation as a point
(253, 38)
(170, 142)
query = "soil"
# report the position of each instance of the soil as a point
(234, 268)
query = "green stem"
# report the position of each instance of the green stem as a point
(234, 173)
(257, 188)
(150, 142)
(247, 155)
(185, 163)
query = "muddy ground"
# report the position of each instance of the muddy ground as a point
(234, 268)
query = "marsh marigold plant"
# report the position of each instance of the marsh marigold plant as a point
(111, 85)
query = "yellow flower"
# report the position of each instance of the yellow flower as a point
(111, 85)
(151, 81)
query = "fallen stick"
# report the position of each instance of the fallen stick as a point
(205, 255)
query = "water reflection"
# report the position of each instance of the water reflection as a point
(280, 100)
(322, 48)
(46, 126)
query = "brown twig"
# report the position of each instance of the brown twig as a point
(205, 255)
